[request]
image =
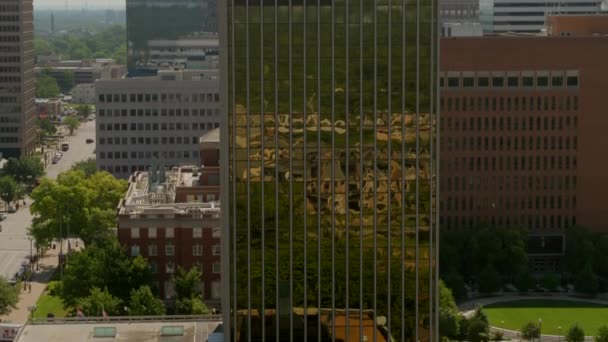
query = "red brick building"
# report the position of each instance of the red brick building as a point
(522, 136)
(173, 220)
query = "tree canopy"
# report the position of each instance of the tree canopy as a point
(104, 264)
(99, 301)
(47, 87)
(89, 167)
(143, 303)
(24, 169)
(106, 43)
(9, 296)
(187, 292)
(8, 189)
(72, 123)
(85, 205)
(575, 334)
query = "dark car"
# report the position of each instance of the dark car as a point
(2, 217)
(12, 210)
(65, 147)
(89, 141)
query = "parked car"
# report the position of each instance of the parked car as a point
(12, 210)
(65, 147)
(89, 141)
(2, 217)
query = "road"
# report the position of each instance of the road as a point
(14, 242)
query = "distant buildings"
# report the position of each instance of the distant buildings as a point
(17, 92)
(84, 93)
(523, 128)
(149, 20)
(330, 177)
(162, 116)
(528, 16)
(172, 219)
(75, 72)
(200, 52)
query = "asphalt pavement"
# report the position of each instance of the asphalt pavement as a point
(14, 242)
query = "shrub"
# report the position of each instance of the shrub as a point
(575, 334)
(497, 335)
(478, 330)
(54, 288)
(602, 334)
(550, 281)
(530, 331)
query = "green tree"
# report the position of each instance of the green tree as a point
(575, 334)
(42, 47)
(72, 123)
(579, 249)
(83, 110)
(586, 281)
(89, 167)
(24, 169)
(143, 303)
(478, 330)
(46, 87)
(602, 334)
(46, 127)
(530, 331)
(87, 205)
(9, 296)
(550, 281)
(187, 283)
(66, 83)
(104, 264)
(120, 54)
(448, 312)
(489, 280)
(525, 281)
(97, 301)
(8, 189)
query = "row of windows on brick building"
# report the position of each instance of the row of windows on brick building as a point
(508, 123)
(515, 103)
(509, 182)
(501, 143)
(512, 163)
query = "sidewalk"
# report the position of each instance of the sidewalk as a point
(40, 279)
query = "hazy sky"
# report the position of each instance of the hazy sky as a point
(78, 4)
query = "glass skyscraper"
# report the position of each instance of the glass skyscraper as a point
(330, 162)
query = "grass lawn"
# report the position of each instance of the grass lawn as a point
(49, 304)
(554, 313)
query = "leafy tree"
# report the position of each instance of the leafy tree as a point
(97, 301)
(46, 87)
(575, 334)
(8, 189)
(199, 307)
(489, 280)
(525, 281)
(46, 127)
(104, 264)
(448, 312)
(579, 249)
(586, 281)
(550, 281)
(530, 331)
(187, 282)
(191, 306)
(9, 296)
(24, 169)
(120, 54)
(602, 334)
(72, 123)
(83, 110)
(87, 204)
(42, 47)
(480, 314)
(143, 303)
(89, 167)
(478, 330)
(454, 281)
(66, 83)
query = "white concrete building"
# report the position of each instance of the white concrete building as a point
(528, 16)
(200, 53)
(84, 93)
(163, 116)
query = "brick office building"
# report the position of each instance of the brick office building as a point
(523, 135)
(172, 219)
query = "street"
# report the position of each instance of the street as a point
(14, 242)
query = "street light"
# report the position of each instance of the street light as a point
(31, 309)
(540, 330)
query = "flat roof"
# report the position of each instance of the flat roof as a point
(174, 331)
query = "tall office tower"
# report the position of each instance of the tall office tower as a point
(168, 19)
(331, 223)
(17, 129)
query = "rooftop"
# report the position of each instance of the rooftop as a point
(155, 193)
(136, 331)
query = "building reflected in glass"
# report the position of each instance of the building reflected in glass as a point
(331, 162)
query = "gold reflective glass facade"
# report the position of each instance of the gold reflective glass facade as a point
(331, 158)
